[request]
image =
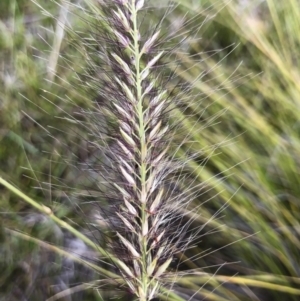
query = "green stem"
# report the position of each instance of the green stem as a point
(46, 210)
(64, 253)
(143, 152)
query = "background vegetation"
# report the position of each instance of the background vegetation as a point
(249, 103)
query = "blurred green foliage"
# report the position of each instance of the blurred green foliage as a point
(254, 81)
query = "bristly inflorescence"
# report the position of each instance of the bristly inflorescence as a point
(131, 106)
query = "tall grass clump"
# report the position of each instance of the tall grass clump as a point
(91, 181)
(266, 110)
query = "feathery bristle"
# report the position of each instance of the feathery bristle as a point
(130, 80)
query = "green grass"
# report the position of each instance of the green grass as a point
(257, 133)
(262, 112)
